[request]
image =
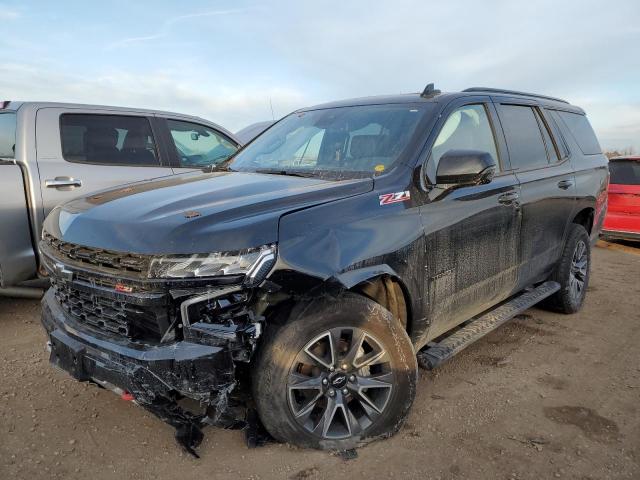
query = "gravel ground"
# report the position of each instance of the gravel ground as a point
(545, 396)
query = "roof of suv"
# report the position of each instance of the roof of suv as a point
(445, 97)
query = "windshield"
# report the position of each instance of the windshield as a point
(363, 139)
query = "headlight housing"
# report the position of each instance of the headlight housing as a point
(254, 263)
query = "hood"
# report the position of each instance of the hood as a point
(193, 213)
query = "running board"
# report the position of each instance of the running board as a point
(435, 354)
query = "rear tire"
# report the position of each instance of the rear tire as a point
(340, 371)
(572, 272)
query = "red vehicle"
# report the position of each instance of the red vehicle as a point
(623, 216)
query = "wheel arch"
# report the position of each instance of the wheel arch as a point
(585, 218)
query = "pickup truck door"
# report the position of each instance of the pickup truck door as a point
(80, 151)
(471, 232)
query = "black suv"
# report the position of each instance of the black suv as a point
(305, 278)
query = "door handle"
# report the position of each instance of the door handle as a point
(509, 198)
(565, 184)
(61, 182)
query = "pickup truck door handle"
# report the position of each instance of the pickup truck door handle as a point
(565, 184)
(509, 198)
(61, 182)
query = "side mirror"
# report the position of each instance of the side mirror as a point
(465, 167)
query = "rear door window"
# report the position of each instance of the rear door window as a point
(624, 172)
(524, 138)
(108, 140)
(582, 132)
(552, 153)
(199, 146)
(7, 135)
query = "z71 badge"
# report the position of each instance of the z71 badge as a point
(395, 197)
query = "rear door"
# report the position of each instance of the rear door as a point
(547, 183)
(81, 151)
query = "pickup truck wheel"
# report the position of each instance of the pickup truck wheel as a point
(340, 371)
(572, 272)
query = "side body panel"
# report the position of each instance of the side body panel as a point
(349, 241)
(592, 179)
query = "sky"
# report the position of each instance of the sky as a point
(236, 62)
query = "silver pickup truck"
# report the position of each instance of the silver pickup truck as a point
(52, 152)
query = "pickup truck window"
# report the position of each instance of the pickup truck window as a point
(582, 132)
(524, 139)
(7, 135)
(199, 146)
(467, 128)
(107, 140)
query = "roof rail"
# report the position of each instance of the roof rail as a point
(513, 92)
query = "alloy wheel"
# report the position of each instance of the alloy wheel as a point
(578, 271)
(340, 383)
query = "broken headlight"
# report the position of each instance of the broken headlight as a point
(254, 263)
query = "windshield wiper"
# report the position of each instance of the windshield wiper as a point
(275, 171)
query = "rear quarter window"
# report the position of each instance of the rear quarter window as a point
(581, 131)
(7, 135)
(624, 172)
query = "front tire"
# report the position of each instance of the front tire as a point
(340, 371)
(572, 272)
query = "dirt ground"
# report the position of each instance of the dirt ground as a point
(545, 396)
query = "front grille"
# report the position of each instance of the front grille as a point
(97, 257)
(113, 315)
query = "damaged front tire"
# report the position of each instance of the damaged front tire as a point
(340, 371)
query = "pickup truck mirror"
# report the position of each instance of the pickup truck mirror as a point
(465, 167)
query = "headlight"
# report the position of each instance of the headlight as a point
(254, 263)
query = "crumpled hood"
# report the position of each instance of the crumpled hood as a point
(193, 213)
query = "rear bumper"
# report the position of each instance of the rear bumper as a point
(146, 371)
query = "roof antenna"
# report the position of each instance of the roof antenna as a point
(273, 117)
(429, 91)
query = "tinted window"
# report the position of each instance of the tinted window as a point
(582, 132)
(362, 139)
(524, 139)
(199, 146)
(552, 121)
(625, 172)
(107, 139)
(467, 128)
(7, 135)
(551, 148)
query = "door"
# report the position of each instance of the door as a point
(193, 146)
(547, 183)
(80, 151)
(471, 232)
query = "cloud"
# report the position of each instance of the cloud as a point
(7, 14)
(165, 30)
(232, 106)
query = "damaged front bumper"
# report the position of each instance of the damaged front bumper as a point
(157, 376)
